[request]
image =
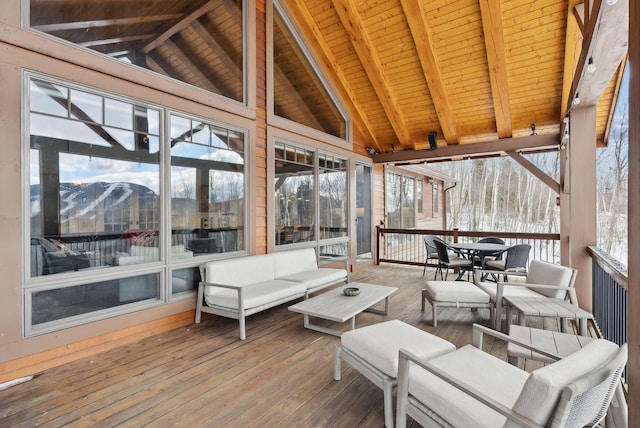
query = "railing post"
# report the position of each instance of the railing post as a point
(455, 235)
(377, 259)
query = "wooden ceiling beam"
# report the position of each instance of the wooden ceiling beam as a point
(115, 40)
(491, 13)
(205, 82)
(423, 39)
(370, 60)
(605, 40)
(533, 169)
(291, 90)
(307, 24)
(529, 143)
(179, 26)
(84, 25)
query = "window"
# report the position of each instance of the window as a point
(294, 199)
(400, 192)
(199, 42)
(96, 192)
(311, 185)
(332, 186)
(300, 95)
(207, 187)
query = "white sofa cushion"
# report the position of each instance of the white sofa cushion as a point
(241, 271)
(477, 369)
(255, 295)
(148, 254)
(295, 261)
(379, 344)
(549, 274)
(316, 277)
(541, 392)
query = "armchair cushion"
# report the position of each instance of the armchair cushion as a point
(549, 274)
(494, 377)
(541, 392)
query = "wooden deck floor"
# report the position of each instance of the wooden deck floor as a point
(203, 375)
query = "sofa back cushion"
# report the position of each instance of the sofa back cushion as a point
(541, 393)
(549, 274)
(241, 271)
(294, 261)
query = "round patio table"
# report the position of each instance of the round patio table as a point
(481, 249)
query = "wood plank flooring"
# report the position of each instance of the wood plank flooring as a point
(203, 375)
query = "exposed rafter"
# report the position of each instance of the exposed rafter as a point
(179, 26)
(497, 62)
(416, 18)
(365, 49)
(84, 25)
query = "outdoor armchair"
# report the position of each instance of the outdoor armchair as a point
(468, 387)
(543, 279)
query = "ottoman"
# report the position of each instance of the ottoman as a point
(457, 294)
(373, 351)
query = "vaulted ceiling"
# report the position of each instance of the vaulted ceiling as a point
(483, 75)
(472, 71)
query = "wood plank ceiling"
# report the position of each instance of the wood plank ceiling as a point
(478, 73)
(472, 71)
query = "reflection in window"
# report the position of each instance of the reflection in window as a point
(207, 188)
(332, 187)
(299, 94)
(400, 191)
(91, 184)
(203, 48)
(294, 198)
(60, 303)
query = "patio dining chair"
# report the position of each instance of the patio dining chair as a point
(432, 252)
(482, 257)
(448, 261)
(469, 387)
(515, 259)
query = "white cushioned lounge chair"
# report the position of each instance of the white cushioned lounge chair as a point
(471, 388)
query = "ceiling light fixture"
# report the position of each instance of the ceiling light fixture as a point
(576, 100)
(371, 150)
(591, 67)
(533, 129)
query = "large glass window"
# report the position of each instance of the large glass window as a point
(96, 192)
(297, 170)
(94, 180)
(200, 42)
(299, 93)
(207, 187)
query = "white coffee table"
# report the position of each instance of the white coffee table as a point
(335, 306)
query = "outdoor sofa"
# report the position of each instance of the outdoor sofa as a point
(239, 287)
